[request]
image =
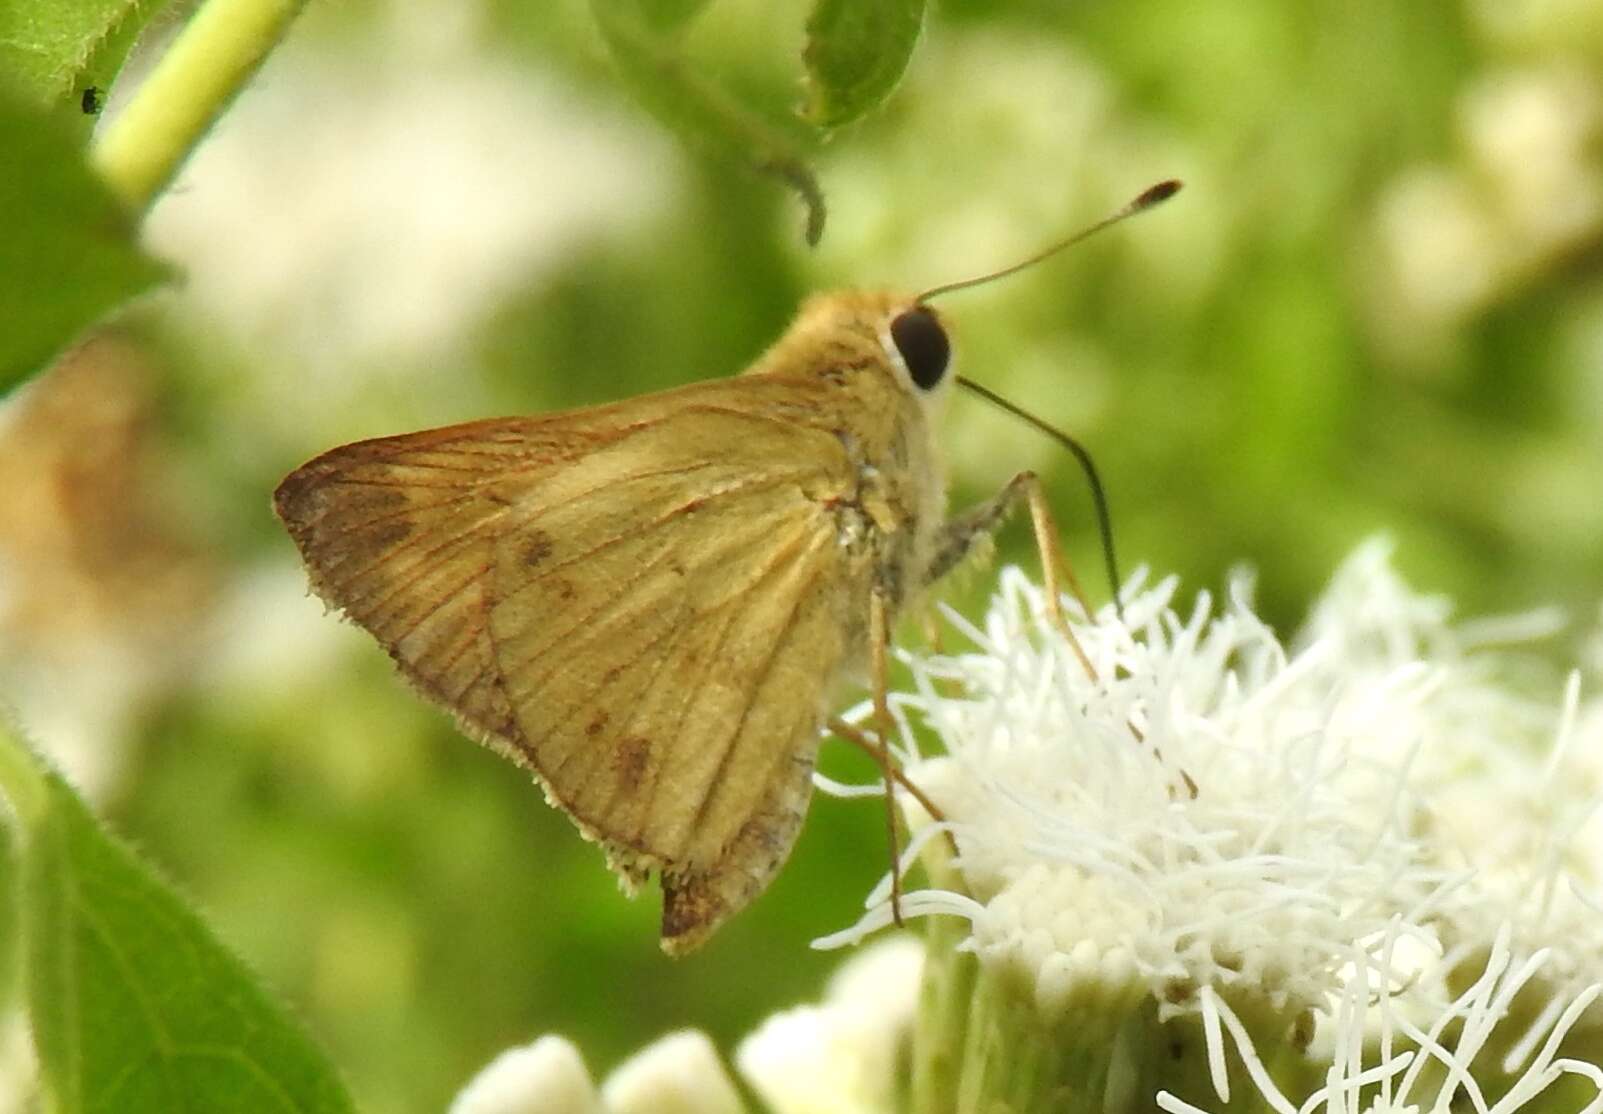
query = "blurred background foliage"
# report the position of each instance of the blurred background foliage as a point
(1378, 306)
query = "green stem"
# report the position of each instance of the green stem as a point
(210, 61)
(21, 781)
(945, 997)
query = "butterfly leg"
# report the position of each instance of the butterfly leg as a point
(968, 530)
(866, 743)
(878, 746)
(1046, 537)
(972, 527)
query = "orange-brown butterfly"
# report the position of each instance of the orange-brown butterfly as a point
(652, 604)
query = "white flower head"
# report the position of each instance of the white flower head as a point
(840, 1057)
(1232, 835)
(679, 1074)
(1070, 801)
(546, 1077)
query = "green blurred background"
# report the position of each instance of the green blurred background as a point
(1377, 306)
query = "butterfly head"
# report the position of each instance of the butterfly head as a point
(894, 331)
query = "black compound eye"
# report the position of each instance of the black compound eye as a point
(923, 345)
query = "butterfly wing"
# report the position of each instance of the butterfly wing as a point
(648, 604)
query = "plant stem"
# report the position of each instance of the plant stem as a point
(207, 64)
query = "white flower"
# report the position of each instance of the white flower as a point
(840, 1057)
(546, 1077)
(1370, 810)
(679, 1074)
(1082, 843)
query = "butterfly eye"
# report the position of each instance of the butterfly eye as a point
(923, 345)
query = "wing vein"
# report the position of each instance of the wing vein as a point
(579, 707)
(767, 668)
(409, 510)
(613, 602)
(650, 792)
(373, 602)
(634, 530)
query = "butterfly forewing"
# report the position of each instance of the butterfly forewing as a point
(651, 618)
(399, 534)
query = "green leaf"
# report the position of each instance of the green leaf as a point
(696, 107)
(54, 49)
(856, 53)
(135, 1006)
(67, 256)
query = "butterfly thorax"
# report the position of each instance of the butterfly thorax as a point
(839, 350)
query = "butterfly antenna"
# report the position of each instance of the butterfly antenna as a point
(1146, 199)
(1098, 496)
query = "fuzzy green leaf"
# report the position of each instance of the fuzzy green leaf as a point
(135, 1006)
(695, 107)
(54, 49)
(68, 254)
(856, 53)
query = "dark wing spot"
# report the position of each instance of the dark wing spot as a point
(305, 497)
(689, 905)
(389, 534)
(597, 725)
(761, 831)
(629, 762)
(370, 498)
(536, 547)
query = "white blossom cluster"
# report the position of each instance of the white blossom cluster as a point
(838, 1057)
(1224, 824)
